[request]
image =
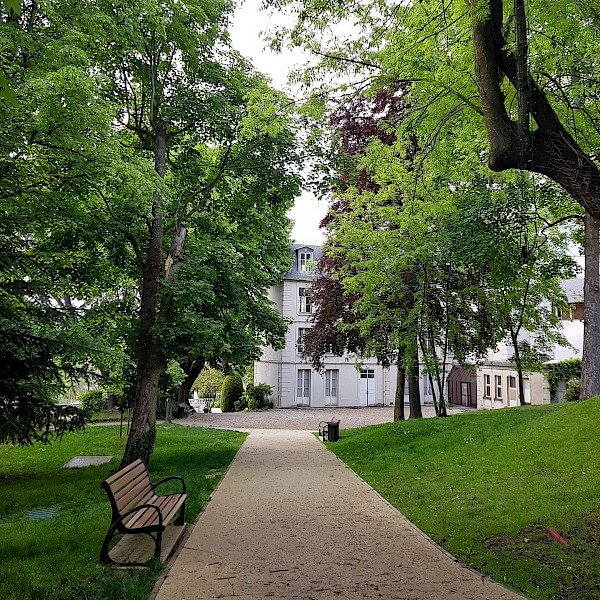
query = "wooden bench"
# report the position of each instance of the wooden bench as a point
(137, 509)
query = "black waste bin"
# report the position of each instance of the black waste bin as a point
(333, 431)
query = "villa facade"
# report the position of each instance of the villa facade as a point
(344, 381)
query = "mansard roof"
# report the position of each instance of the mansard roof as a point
(294, 273)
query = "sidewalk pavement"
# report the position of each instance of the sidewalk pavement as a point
(289, 520)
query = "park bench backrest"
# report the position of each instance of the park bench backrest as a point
(129, 487)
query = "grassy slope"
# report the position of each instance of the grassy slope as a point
(487, 485)
(57, 558)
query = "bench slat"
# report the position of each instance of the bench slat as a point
(168, 506)
(136, 494)
(137, 465)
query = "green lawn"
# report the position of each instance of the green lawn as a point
(57, 558)
(487, 485)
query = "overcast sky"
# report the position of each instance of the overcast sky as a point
(248, 22)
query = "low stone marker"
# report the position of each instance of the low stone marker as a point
(86, 461)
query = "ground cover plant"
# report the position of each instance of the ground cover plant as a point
(56, 558)
(487, 486)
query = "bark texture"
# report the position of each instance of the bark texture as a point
(590, 367)
(399, 396)
(550, 150)
(191, 369)
(414, 391)
(150, 361)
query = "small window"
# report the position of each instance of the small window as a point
(487, 386)
(305, 260)
(512, 382)
(498, 379)
(304, 300)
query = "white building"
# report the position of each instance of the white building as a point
(343, 382)
(497, 378)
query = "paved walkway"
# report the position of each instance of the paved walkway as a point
(289, 520)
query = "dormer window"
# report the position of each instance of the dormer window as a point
(305, 261)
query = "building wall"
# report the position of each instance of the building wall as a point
(535, 387)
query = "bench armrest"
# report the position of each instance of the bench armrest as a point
(174, 477)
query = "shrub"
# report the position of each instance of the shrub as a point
(258, 396)
(573, 390)
(93, 401)
(231, 392)
(242, 403)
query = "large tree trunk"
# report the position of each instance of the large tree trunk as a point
(590, 367)
(550, 150)
(191, 369)
(414, 391)
(399, 396)
(150, 361)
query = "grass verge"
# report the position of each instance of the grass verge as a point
(56, 558)
(488, 485)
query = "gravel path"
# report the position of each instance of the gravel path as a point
(299, 418)
(289, 520)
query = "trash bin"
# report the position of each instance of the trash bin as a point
(333, 431)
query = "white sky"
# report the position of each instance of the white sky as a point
(248, 23)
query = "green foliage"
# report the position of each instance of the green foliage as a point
(489, 512)
(564, 370)
(209, 382)
(231, 392)
(93, 401)
(573, 390)
(58, 557)
(79, 188)
(257, 396)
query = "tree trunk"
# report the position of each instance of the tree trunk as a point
(150, 361)
(550, 150)
(111, 398)
(399, 396)
(590, 365)
(191, 369)
(519, 366)
(414, 391)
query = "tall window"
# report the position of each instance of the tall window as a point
(512, 388)
(303, 386)
(487, 386)
(331, 385)
(426, 385)
(300, 341)
(498, 380)
(304, 300)
(304, 261)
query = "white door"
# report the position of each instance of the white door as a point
(303, 387)
(331, 387)
(367, 387)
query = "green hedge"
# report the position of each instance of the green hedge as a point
(231, 392)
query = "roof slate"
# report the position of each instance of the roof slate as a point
(294, 273)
